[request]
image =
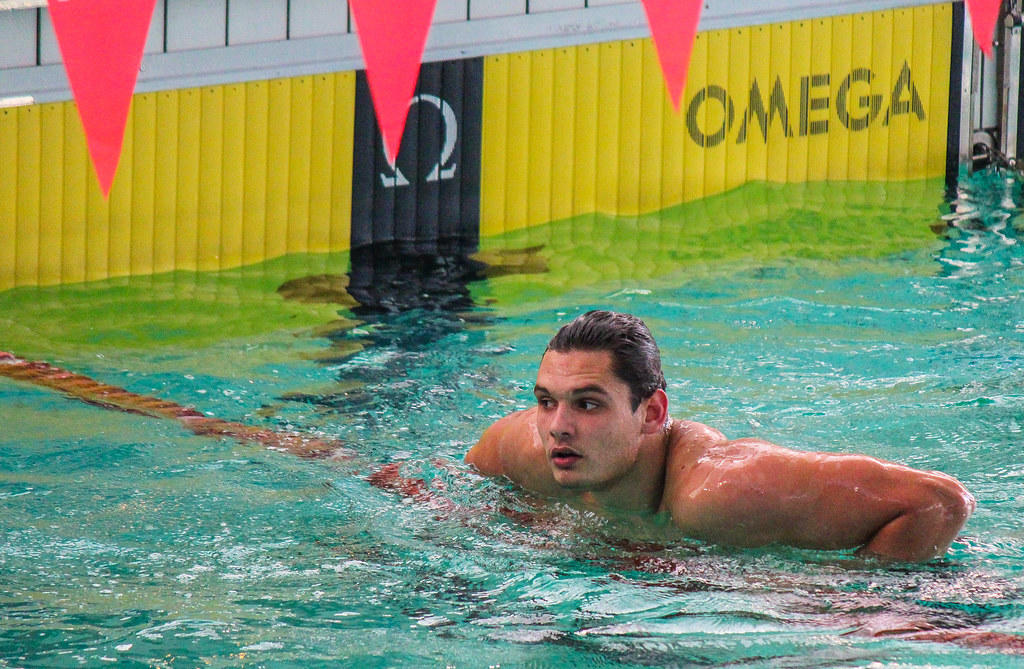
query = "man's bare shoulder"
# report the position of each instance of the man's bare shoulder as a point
(690, 433)
(688, 442)
(715, 480)
(511, 433)
(511, 447)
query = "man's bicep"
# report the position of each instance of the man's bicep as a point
(761, 494)
(834, 501)
(743, 493)
(854, 497)
(933, 508)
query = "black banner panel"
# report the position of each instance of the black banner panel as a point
(429, 201)
(415, 223)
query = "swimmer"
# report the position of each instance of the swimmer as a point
(601, 437)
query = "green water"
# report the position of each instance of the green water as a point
(882, 319)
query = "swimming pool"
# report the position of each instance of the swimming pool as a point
(860, 317)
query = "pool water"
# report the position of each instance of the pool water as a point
(882, 319)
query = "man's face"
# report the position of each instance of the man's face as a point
(590, 432)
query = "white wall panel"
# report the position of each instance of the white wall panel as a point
(251, 21)
(17, 39)
(312, 18)
(196, 24)
(49, 50)
(320, 39)
(485, 9)
(155, 39)
(538, 6)
(450, 11)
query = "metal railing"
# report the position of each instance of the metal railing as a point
(991, 129)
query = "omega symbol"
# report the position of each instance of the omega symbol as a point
(442, 170)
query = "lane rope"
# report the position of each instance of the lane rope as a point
(91, 391)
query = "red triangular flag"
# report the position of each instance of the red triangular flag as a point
(984, 14)
(392, 38)
(101, 42)
(674, 26)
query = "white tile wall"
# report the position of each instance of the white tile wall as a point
(49, 50)
(251, 21)
(450, 11)
(155, 40)
(312, 18)
(483, 9)
(538, 6)
(196, 24)
(17, 39)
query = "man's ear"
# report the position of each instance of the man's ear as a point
(655, 410)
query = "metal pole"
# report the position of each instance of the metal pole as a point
(1010, 90)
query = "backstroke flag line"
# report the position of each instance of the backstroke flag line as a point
(673, 26)
(984, 14)
(392, 37)
(101, 42)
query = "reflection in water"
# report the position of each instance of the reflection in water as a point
(393, 278)
(984, 228)
(576, 583)
(398, 302)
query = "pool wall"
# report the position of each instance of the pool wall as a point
(229, 174)
(589, 129)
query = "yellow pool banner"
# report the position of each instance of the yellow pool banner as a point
(210, 178)
(590, 128)
(228, 175)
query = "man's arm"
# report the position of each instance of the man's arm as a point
(749, 492)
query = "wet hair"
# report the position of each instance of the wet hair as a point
(636, 359)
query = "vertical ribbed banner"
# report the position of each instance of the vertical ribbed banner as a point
(412, 215)
(588, 129)
(430, 197)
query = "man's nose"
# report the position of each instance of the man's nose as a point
(561, 424)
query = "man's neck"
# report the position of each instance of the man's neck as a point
(640, 491)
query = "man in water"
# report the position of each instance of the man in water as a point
(601, 437)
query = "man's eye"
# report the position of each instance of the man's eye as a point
(545, 402)
(588, 405)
